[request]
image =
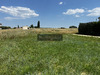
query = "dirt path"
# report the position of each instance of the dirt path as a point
(87, 35)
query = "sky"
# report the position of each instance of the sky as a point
(50, 13)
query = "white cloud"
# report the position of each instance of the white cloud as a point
(77, 16)
(94, 12)
(60, 3)
(73, 11)
(18, 12)
(10, 18)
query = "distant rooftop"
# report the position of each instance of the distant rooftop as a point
(0, 23)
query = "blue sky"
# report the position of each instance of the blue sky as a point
(50, 13)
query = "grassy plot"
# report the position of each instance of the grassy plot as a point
(22, 54)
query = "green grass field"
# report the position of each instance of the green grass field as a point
(22, 54)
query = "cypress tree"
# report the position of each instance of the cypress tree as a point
(18, 26)
(38, 24)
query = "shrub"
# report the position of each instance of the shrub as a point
(72, 27)
(31, 26)
(63, 28)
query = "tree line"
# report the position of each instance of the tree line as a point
(31, 26)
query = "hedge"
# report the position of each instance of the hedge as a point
(91, 28)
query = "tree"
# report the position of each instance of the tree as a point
(18, 26)
(72, 27)
(99, 18)
(31, 26)
(38, 24)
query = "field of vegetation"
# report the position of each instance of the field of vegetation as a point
(22, 54)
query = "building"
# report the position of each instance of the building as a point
(0, 24)
(25, 27)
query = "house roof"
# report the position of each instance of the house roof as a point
(0, 23)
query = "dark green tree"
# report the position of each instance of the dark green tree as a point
(31, 26)
(18, 26)
(38, 24)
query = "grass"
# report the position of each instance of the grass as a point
(22, 54)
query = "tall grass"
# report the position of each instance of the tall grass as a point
(24, 55)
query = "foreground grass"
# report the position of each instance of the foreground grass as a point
(22, 54)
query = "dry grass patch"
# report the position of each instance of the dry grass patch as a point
(56, 30)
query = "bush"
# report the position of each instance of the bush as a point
(91, 28)
(72, 27)
(63, 28)
(31, 26)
